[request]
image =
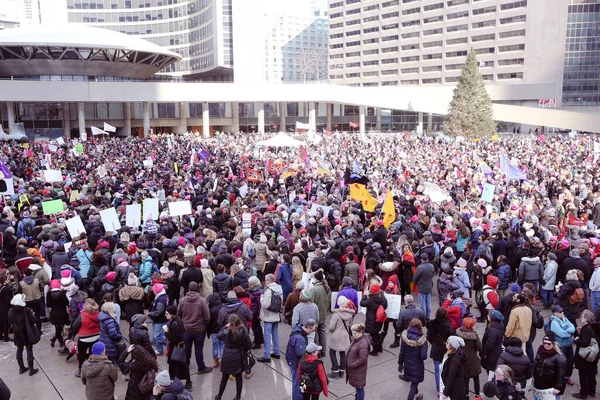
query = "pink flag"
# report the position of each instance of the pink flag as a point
(363, 270)
(310, 186)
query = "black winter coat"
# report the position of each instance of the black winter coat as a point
(549, 372)
(241, 279)
(231, 361)
(437, 334)
(584, 339)
(471, 349)
(57, 301)
(222, 284)
(454, 376)
(491, 346)
(413, 353)
(138, 335)
(135, 376)
(515, 358)
(372, 303)
(16, 317)
(215, 305)
(572, 311)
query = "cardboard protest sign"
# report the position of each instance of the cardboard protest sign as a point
(110, 220)
(244, 190)
(178, 208)
(79, 148)
(52, 148)
(393, 308)
(247, 223)
(60, 141)
(74, 196)
(75, 226)
(150, 209)
(315, 207)
(102, 171)
(53, 175)
(53, 207)
(133, 215)
(487, 194)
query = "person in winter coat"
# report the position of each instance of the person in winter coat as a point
(413, 353)
(284, 276)
(110, 331)
(157, 315)
(471, 348)
(464, 283)
(175, 338)
(87, 327)
(446, 284)
(145, 269)
(99, 375)
(348, 291)
(262, 254)
(490, 297)
(371, 301)
(32, 288)
(6, 296)
(504, 275)
(406, 270)
(564, 331)
(505, 386)
(357, 360)
(169, 389)
(17, 316)
(256, 291)
(423, 279)
(514, 356)
(595, 285)
(520, 319)
(447, 259)
(141, 362)
(305, 309)
(438, 331)
(587, 369)
(84, 256)
(531, 270)
(195, 317)
(321, 296)
(131, 297)
(270, 318)
(239, 276)
(454, 366)
(311, 367)
(233, 305)
(491, 344)
(59, 258)
(339, 336)
(295, 348)
(138, 333)
(57, 301)
(208, 276)
(456, 308)
(549, 280)
(215, 306)
(222, 283)
(237, 343)
(572, 310)
(549, 367)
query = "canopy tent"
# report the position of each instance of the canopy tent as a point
(281, 140)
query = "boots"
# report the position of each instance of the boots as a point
(52, 341)
(341, 374)
(334, 374)
(216, 362)
(22, 368)
(396, 342)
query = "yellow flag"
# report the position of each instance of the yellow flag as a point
(389, 210)
(369, 203)
(358, 191)
(494, 138)
(176, 167)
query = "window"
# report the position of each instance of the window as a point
(353, 75)
(390, 3)
(366, 84)
(430, 81)
(437, 43)
(451, 67)
(484, 24)
(352, 44)
(411, 11)
(389, 72)
(336, 35)
(389, 26)
(390, 15)
(353, 54)
(411, 35)
(373, 40)
(370, 73)
(371, 8)
(407, 1)
(460, 53)
(410, 70)
(411, 23)
(336, 15)
(460, 14)
(486, 64)
(450, 42)
(511, 61)
(410, 47)
(389, 83)
(336, 46)
(409, 59)
(389, 49)
(371, 30)
(433, 7)
(437, 18)
(436, 31)
(336, 5)
(520, 32)
(485, 10)
(512, 47)
(370, 52)
(337, 25)
(389, 61)
(432, 56)
(433, 68)
(452, 3)
(457, 28)
(451, 79)
(512, 20)
(353, 33)
(371, 19)
(485, 50)
(516, 4)
(511, 75)
(353, 11)
(409, 82)
(480, 38)
(353, 64)
(489, 77)
(388, 38)
(353, 22)
(373, 62)
(352, 1)
(334, 56)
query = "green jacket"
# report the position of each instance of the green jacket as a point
(321, 296)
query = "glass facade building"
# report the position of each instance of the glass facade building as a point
(581, 81)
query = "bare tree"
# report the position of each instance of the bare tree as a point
(312, 63)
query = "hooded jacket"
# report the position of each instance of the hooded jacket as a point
(172, 392)
(530, 269)
(110, 335)
(132, 299)
(222, 284)
(516, 358)
(491, 346)
(549, 276)
(504, 276)
(234, 306)
(265, 302)
(215, 306)
(490, 297)
(413, 353)
(339, 328)
(471, 349)
(446, 285)
(30, 287)
(519, 322)
(194, 312)
(296, 345)
(99, 375)
(138, 333)
(453, 375)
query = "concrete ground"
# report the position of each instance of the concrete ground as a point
(270, 381)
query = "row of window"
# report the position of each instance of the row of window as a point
(417, 22)
(485, 50)
(429, 81)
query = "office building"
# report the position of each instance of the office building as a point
(25, 12)
(5, 23)
(581, 81)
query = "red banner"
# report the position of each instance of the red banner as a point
(253, 175)
(353, 125)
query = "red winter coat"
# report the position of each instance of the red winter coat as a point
(89, 324)
(454, 313)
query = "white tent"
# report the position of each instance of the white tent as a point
(281, 140)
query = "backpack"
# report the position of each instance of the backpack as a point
(185, 395)
(380, 315)
(251, 251)
(577, 296)
(28, 230)
(536, 318)
(310, 382)
(155, 267)
(276, 302)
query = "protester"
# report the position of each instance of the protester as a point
(340, 336)
(87, 328)
(321, 297)
(195, 316)
(57, 301)
(424, 281)
(413, 353)
(372, 300)
(138, 333)
(99, 375)
(587, 368)
(295, 348)
(110, 332)
(140, 364)
(157, 315)
(313, 373)
(357, 360)
(549, 368)
(564, 332)
(270, 303)
(176, 334)
(453, 382)
(514, 357)
(491, 344)
(237, 343)
(19, 317)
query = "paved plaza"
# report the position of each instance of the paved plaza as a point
(270, 381)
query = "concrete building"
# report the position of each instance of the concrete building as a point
(200, 31)
(26, 12)
(5, 23)
(581, 82)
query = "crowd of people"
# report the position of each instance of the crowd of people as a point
(272, 232)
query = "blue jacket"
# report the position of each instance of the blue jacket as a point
(464, 282)
(413, 353)
(146, 270)
(85, 258)
(284, 278)
(110, 334)
(349, 293)
(563, 329)
(296, 345)
(504, 275)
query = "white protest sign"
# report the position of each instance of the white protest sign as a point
(148, 163)
(393, 308)
(270, 180)
(68, 245)
(102, 171)
(487, 194)
(133, 215)
(308, 281)
(315, 207)
(244, 190)
(543, 394)
(292, 196)
(60, 141)
(596, 147)
(215, 185)
(247, 223)
(53, 175)
(75, 226)
(150, 209)
(110, 220)
(52, 148)
(178, 208)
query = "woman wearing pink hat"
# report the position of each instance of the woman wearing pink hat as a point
(56, 300)
(158, 317)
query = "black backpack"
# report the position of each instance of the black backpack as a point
(276, 302)
(28, 230)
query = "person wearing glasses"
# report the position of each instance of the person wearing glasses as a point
(549, 370)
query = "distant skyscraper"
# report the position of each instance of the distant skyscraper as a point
(26, 12)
